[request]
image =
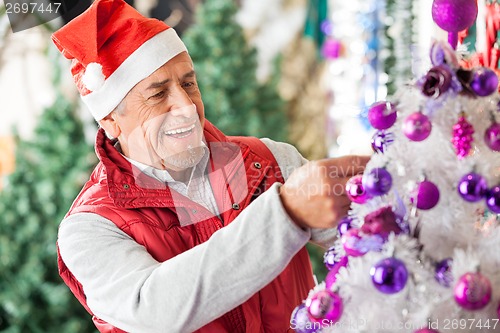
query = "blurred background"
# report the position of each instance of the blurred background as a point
(300, 71)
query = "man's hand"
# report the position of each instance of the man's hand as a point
(314, 196)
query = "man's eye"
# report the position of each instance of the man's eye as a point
(187, 85)
(158, 95)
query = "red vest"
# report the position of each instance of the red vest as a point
(124, 198)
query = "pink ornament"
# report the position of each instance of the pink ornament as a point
(473, 291)
(417, 126)
(492, 136)
(426, 195)
(351, 242)
(382, 115)
(331, 48)
(454, 16)
(462, 137)
(331, 277)
(325, 305)
(355, 191)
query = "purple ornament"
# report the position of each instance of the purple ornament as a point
(355, 191)
(300, 321)
(462, 137)
(377, 182)
(472, 187)
(381, 140)
(484, 82)
(443, 272)
(351, 241)
(417, 126)
(493, 199)
(331, 48)
(426, 195)
(382, 115)
(492, 137)
(344, 225)
(454, 15)
(389, 275)
(331, 277)
(327, 27)
(473, 291)
(324, 306)
(330, 258)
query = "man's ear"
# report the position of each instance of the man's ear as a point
(110, 125)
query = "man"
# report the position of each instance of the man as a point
(180, 228)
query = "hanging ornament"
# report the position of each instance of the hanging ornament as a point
(493, 199)
(425, 196)
(355, 191)
(382, 222)
(381, 140)
(473, 291)
(382, 115)
(331, 277)
(352, 243)
(378, 181)
(454, 16)
(331, 48)
(389, 275)
(472, 187)
(443, 272)
(344, 224)
(484, 82)
(492, 136)
(330, 258)
(462, 137)
(300, 321)
(417, 126)
(324, 305)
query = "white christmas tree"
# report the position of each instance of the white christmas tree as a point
(418, 250)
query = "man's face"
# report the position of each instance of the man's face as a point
(161, 121)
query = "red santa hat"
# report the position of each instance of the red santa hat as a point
(112, 48)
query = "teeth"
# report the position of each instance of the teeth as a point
(180, 130)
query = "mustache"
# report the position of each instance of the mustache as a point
(179, 121)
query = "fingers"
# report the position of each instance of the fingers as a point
(345, 166)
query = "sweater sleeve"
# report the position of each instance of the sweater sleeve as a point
(126, 287)
(289, 159)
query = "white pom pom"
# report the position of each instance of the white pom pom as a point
(93, 78)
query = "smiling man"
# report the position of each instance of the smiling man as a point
(181, 228)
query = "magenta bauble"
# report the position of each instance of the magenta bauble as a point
(325, 305)
(331, 277)
(417, 127)
(382, 115)
(473, 291)
(454, 15)
(355, 191)
(492, 137)
(426, 195)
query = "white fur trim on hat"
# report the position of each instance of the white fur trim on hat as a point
(93, 78)
(146, 59)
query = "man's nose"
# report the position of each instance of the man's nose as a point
(180, 101)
